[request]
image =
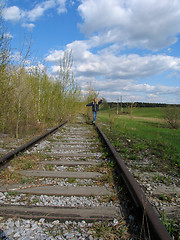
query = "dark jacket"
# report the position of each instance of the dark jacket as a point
(95, 106)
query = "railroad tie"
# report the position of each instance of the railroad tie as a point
(69, 168)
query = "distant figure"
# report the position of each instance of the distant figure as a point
(95, 107)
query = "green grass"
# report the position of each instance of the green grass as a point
(145, 136)
(153, 112)
(163, 141)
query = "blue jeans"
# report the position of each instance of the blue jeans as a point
(94, 116)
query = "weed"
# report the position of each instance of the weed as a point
(161, 179)
(49, 167)
(120, 189)
(162, 197)
(111, 164)
(71, 180)
(165, 198)
(25, 162)
(118, 144)
(133, 157)
(8, 176)
(13, 193)
(168, 223)
(106, 178)
(25, 180)
(108, 230)
(48, 149)
(169, 198)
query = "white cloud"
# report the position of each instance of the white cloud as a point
(61, 6)
(12, 13)
(148, 24)
(120, 75)
(39, 9)
(132, 66)
(8, 35)
(33, 69)
(133, 23)
(15, 14)
(55, 56)
(112, 25)
(30, 26)
(55, 69)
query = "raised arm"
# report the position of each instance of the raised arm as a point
(100, 100)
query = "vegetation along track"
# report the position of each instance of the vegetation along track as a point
(69, 177)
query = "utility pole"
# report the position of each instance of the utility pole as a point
(121, 105)
(117, 104)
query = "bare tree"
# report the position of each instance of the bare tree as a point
(5, 86)
(172, 116)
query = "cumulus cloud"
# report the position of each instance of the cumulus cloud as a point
(30, 26)
(111, 26)
(12, 13)
(55, 56)
(121, 74)
(112, 66)
(15, 14)
(134, 23)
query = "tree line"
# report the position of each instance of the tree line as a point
(140, 104)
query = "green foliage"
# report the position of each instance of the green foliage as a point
(30, 99)
(33, 100)
(71, 180)
(162, 179)
(25, 180)
(168, 223)
(13, 193)
(111, 164)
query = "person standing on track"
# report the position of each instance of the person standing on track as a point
(95, 107)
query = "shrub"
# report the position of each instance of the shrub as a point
(172, 116)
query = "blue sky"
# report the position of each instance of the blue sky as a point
(127, 48)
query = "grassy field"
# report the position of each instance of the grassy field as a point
(146, 125)
(157, 112)
(147, 145)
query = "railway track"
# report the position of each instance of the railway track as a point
(66, 177)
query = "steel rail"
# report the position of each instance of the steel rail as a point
(26, 146)
(157, 229)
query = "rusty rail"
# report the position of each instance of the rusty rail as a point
(26, 146)
(157, 229)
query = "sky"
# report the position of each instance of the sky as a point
(124, 49)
